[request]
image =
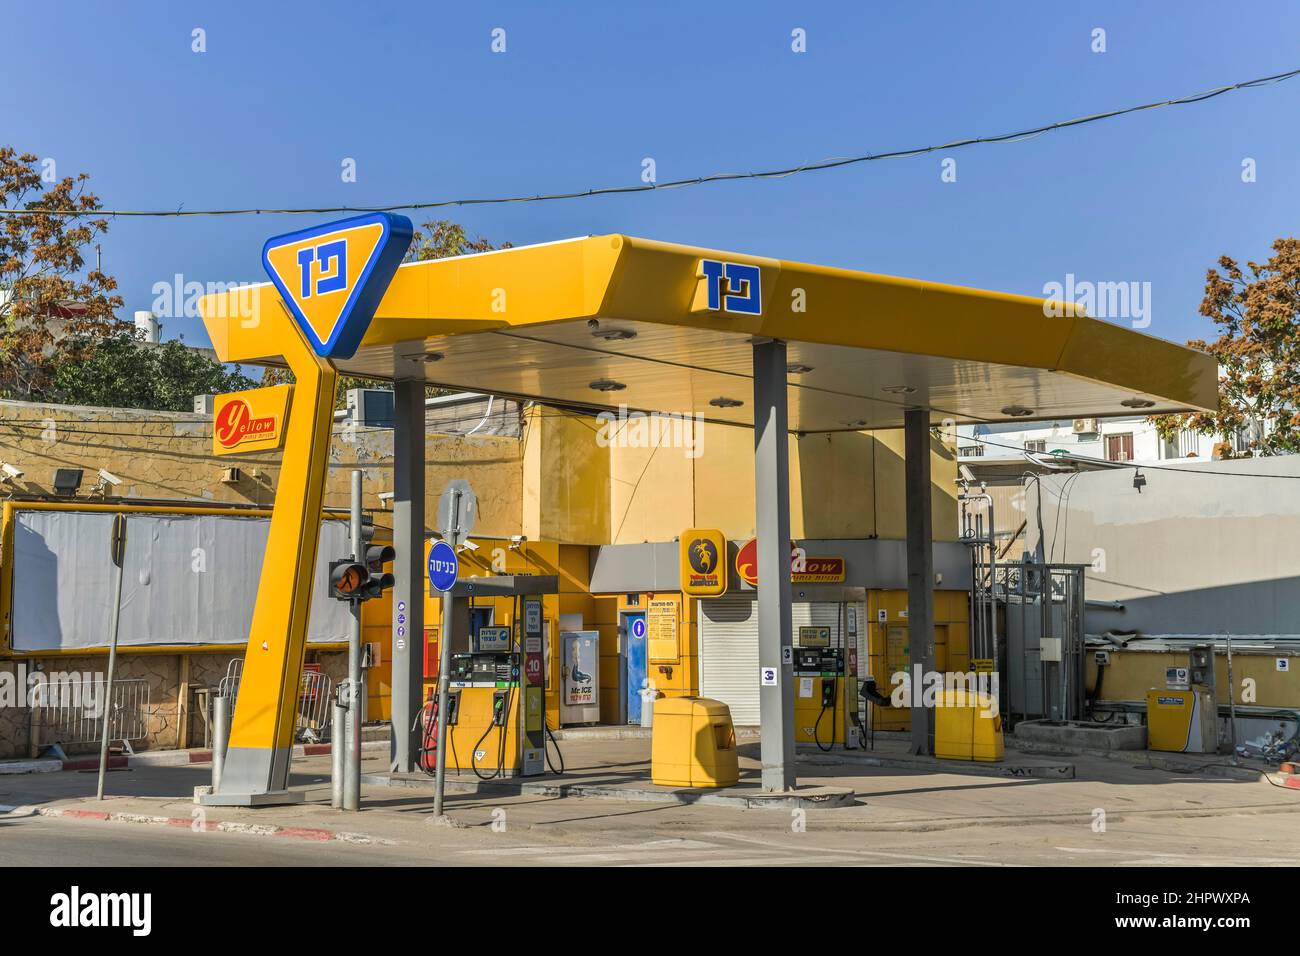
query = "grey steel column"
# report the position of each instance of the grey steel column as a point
(409, 571)
(772, 521)
(920, 570)
(352, 755)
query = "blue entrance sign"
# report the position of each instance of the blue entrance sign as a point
(443, 566)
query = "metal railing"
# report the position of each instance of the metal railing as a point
(71, 711)
(314, 693)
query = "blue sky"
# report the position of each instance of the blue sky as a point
(285, 92)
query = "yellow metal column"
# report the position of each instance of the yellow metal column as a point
(261, 737)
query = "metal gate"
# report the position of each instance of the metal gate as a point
(314, 696)
(70, 711)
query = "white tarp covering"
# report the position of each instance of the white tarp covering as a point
(188, 579)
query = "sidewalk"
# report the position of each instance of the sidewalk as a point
(897, 797)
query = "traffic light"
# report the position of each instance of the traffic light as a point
(353, 579)
(378, 580)
(348, 579)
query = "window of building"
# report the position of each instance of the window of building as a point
(1036, 445)
(971, 451)
(1119, 447)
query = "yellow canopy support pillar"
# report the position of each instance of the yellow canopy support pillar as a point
(256, 770)
(329, 279)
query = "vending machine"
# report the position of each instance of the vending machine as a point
(579, 677)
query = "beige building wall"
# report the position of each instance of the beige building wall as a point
(169, 455)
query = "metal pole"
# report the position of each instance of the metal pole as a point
(117, 550)
(920, 570)
(338, 754)
(220, 738)
(409, 571)
(352, 761)
(451, 534)
(1232, 698)
(772, 522)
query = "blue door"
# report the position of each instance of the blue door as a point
(634, 678)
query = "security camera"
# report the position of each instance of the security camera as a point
(11, 472)
(108, 478)
(467, 543)
(517, 540)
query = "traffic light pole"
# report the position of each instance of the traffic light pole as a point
(352, 736)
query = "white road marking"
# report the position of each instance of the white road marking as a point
(915, 857)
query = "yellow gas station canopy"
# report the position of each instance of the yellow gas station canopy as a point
(610, 321)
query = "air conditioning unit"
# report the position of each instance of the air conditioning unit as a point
(1086, 426)
(371, 407)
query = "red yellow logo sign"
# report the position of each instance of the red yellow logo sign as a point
(250, 421)
(703, 564)
(803, 569)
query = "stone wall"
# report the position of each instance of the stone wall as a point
(162, 718)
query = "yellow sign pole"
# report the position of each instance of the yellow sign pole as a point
(256, 770)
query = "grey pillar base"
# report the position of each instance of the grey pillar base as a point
(251, 773)
(273, 798)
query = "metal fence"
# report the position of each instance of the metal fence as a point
(314, 694)
(70, 711)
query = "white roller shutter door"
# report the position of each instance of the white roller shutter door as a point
(729, 648)
(729, 656)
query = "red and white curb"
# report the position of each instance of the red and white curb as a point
(156, 758)
(200, 825)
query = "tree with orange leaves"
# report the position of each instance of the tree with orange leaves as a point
(1257, 311)
(51, 308)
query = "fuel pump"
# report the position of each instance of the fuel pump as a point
(429, 721)
(819, 701)
(498, 725)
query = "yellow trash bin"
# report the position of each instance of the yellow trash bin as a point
(967, 726)
(693, 743)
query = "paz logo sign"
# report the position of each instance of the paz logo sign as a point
(249, 421)
(333, 276)
(728, 287)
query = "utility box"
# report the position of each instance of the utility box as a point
(1182, 720)
(967, 726)
(693, 743)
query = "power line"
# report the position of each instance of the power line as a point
(1136, 465)
(829, 163)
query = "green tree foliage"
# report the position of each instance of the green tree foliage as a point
(121, 371)
(1257, 311)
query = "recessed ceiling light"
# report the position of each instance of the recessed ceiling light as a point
(1137, 403)
(898, 389)
(606, 385)
(1017, 411)
(794, 368)
(725, 402)
(614, 335)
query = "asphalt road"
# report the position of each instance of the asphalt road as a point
(635, 837)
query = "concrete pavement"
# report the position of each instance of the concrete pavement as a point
(1112, 812)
